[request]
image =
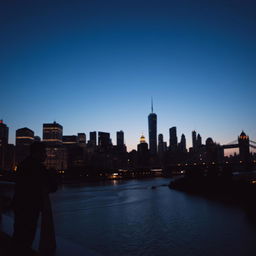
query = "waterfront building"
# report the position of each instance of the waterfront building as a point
(69, 140)
(152, 131)
(81, 139)
(93, 139)
(160, 144)
(143, 146)
(165, 146)
(37, 138)
(24, 139)
(9, 160)
(199, 141)
(194, 141)
(56, 152)
(4, 133)
(104, 141)
(74, 152)
(143, 155)
(173, 139)
(182, 144)
(211, 151)
(52, 134)
(120, 139)
(56, 157)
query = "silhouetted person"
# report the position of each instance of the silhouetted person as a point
(31, 199)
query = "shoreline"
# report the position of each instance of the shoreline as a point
(229, 191)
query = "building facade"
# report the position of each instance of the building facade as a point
(120, 138)
(173, 139)
(24, 139)
(4, 133)
(52, 134)
(152, 132)
(93, 139)
(104, 141)
(56, 152)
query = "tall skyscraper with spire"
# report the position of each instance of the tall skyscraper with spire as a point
(152, 130)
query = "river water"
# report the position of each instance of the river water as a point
(130, 218)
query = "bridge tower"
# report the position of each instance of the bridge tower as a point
(244, 145)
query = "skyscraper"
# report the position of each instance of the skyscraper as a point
(152, 131)
(81, 139)
(55, 151)
(199, 141)
(93, 139)
(120, 139)
(104, 141)
(70, 140)
(24, 138)
(182, 144)
(194, 140)
(143, 146)
(37, 138)
(143, 155)
(52, 133)
(173, 139)
(160, 143)
(4, 132)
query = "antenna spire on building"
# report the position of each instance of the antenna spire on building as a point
(152, 107)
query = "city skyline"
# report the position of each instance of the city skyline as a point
(173, 139)
(92, 66)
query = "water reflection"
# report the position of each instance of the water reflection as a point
(115, 182)
(130, 218)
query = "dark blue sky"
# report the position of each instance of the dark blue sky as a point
(94, 65)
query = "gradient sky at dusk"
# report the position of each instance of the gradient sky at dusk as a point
(94, 65)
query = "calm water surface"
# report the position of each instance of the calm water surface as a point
(131, 218)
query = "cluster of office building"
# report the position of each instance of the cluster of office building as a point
(97, 154)
(63, 151)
